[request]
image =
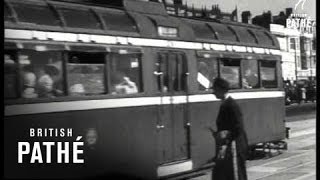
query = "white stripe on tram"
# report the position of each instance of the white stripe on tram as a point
(109, 39)
(21, 109)
(165, 170)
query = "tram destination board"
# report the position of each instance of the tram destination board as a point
(128, 89)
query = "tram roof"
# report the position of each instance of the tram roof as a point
(136, 19)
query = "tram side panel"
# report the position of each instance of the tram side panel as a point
(203, 116)
(124, 143)
(263, 119)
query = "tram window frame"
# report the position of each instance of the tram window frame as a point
(231, 60)
(162, 72)
(182, 73)
(119, 26)
(202, 30)
(168, 31)
(34, 8)
(13, 56)
(81, 87)
(180, 84)
(139, 86)
(109, 91)
(38, 75)
(268, 63)
(45, 73)
(68, 12)
(243, 74)
(64, 81)
(9, 14)
(224, 32)
(215, 72)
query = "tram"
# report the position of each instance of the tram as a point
(133, 84)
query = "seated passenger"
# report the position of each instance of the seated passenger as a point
(49, 81)
(46, 87)
(8, 60)
(10, 77)
(245, 84)
(77, 90)
(29, 82)
(122, 84)
(251, 78)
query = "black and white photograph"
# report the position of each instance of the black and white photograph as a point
(160, 89)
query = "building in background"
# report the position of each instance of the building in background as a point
(289, 42)
(176, 7)
(298, 49)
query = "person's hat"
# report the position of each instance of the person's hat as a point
(29, 79)
(45, 80)
(77, 88)
(221, 83)
(53, 68)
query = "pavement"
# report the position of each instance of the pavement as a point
(296, 163)
(301, 111)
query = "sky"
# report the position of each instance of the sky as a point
(257, 7)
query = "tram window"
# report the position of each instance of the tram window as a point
(36, 14)
(167, 31)
(202, 30)
(41, 74)
(293, 44)
(86, 73)
(162, 67)
(173, 68)
(118, 21)
(268, 74)
(245, 35)
(125, 73)
(250, 78)
(207, 71)
(7, 13)
(230, 71)
(78, 18)
(264, 37)
(224, 33)
(178, 71)
(10, 75)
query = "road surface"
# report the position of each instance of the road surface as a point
(296, 163)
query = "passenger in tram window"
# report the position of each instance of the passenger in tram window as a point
(77, 90)
(245, 84)
(251, 78)
(8, 60)
(74, 59)
(48, 82)
(231, 138)
(29, 82)
(10, 77)
(165, 89)
(29, 77)
(121, 84)
(165, 81)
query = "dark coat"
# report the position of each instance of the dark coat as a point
(230, 119)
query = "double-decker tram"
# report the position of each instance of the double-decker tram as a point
(132, 84)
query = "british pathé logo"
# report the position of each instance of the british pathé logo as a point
(301, 22)
(298, 3)
(42, 152)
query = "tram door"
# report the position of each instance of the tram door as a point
(172, 125)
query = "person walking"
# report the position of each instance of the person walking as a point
(231, 138)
